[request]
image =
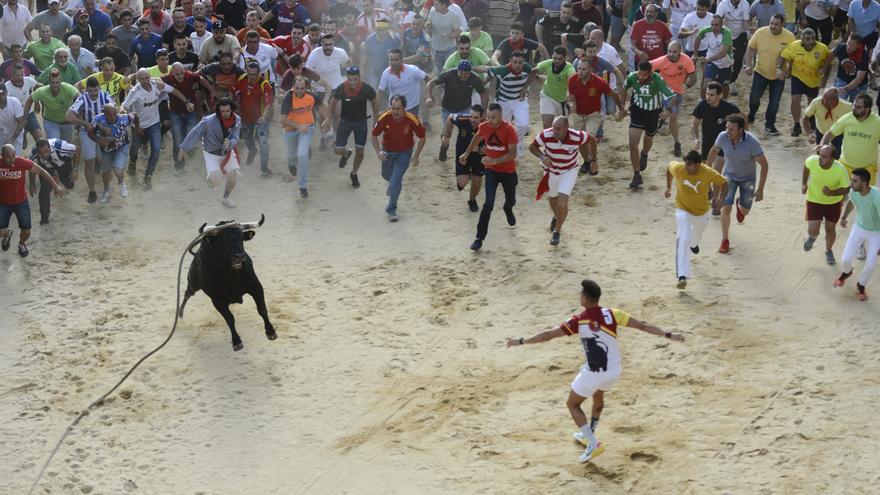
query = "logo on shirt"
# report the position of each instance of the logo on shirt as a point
(495, 144)
(695, 187)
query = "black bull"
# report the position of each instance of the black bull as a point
(224, 271)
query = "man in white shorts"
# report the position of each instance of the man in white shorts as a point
(555, 72)
(218, 134)
(512, 93)
(597, 328)
(557, 148)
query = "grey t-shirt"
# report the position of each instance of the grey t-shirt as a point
(60, 23)
(124, 37)
(442, 26)
(739, 159)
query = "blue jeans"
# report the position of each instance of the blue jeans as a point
(440, 57)
(849, 96)
(181, 124)
(759, 84)
(393, 170)
(56, 130)
(257, 136)
(746, 192)
(493, 179)
(298, 145)
(153, 135)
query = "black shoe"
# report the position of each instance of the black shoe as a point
(643, 162)
(585, 168)
(477, 244)
(303, 192)
(553, 225)
(682, 282)
(636, 182)
(676, 150)
(443, 150)
(554, 239)
(472, 204)
(292, 169)
(132, 170)
(147, 182)
(343, 160)
(355, 183)
(511, 218)
(5, 243)
(695, 249)
(93, 196)
(44, 220)
(751, 119)
(771, 131)
(796, 130)
(22, 250)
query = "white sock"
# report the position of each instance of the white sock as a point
(587, 432)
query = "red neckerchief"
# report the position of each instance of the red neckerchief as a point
(516, 45)
(857, 56)
(161, 18)
(351, 93)
(828, 110)
(228, 123)
(510, 68)
(402, 68)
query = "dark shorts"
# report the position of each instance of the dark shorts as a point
(799, 88)
(701, 53)
(830, 213)
(870, 41)
(32, 124)
(473, 167)
(715, 73)
(345, 129)
(22, 213)
(644, 119)
(841, 17)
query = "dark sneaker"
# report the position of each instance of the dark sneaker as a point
(343, 160)
(676, 150)
(682, 282)
(772, 131)
(860, 292)
(93, 196)
(643, 162)
(636, 182)
(477, 244)
(808, 244)
(838, 282)
(796, 130)
(695, 249)
(147, 182)
(472, 205)
(6, 238)
(22, 250)
(443, 153)
(303, 192)
(132, 169)
(829, 258)
(44, 220)
(355, 183)
(511, 218)
(292, 169)
(553, 225)
(554, 239)
(751, 119)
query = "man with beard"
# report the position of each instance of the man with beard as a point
(762, 58)
(678, 71)
(803, 61)
(555, 72)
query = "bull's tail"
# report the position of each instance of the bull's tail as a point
(189, 293)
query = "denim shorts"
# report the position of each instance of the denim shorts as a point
(746, 192)
(22, 213)
(114, 160)
(345, 128)
(88, 149)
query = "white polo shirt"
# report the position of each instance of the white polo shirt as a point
(22, 93)
(408, 83)
(328, 67)
(12, 24)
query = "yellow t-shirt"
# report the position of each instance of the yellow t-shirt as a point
(819, 112)
(768, 48)
(835, 178)
(859, 140)
(806, 65)
(114, 86)
(692, 190)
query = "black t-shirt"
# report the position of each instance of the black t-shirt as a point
(190, 61)
(457, 93)
(120, 59)
(170, 34)
(528, 47)
(712, 119)
(354, 107)
(466, 131)
(554, 28)
(232, 12)
(849, 65)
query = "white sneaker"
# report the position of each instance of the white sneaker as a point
(590, 454)
(227, 202)
(579, 438)
(105, 196)
(123, 190)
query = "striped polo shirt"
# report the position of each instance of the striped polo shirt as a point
(563, 154)
(87, 108)
(510, 84)
(648, 96)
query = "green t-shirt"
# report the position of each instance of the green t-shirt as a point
(556, 85)
(835, 178)
(648, 96)
(43, 54)
(55, 107)
(69, 74)
(867, 209)
(156, 72)
(484, 42)
(477, 58)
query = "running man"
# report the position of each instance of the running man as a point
(298, 110)
(218, 134)
(861, 133)
(866, 232)
(512, 93)
(597, 328)
(353, 94)
(472, 171)
(649, 93)
(693, 181)
(825, 182)
(557, 148)
(680, 74)
(555, 73)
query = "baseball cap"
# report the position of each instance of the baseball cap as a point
(353, 71)
(54, 1)
(219, 25)
(80, 13)
(464, 66)
(161, 52)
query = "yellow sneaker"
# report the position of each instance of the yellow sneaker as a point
(590, 454)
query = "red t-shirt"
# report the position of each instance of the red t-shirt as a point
(652, 37)
(252, 98)
(12, 184)
(498, 141)
(397, 135)
(588, 97)
(286, 45)
(188, 87)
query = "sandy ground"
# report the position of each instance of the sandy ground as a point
(390, 375)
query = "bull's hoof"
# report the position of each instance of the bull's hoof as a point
(237, 347)
(271, 335)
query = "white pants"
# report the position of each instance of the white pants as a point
(871, 240)
(689, 230)
(517, 113)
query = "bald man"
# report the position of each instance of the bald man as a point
(825, 184)
(679, 72)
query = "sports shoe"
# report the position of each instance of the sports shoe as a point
(227, 202)
(22, 250)
(511, 218)
(863, 253)
(829, 258)
(682, 282)
(740, 214)
(676, 149)
(443, 153)
(771, 131)
(590, 454)
(554, 239)
(553, 224)
(808, 244)
(355, 183)
(751, 119)
(105, 196)
(860, 292)
(392, 217)
(6, 238)
(323, 145)
(472, 205)
(123, 190)
(93, 196)
(292, 169)
(579, 438)
(147, 182)
(796, 130)
(265, 173)
(132, 170)
(303, 192)
(725, 247)
(839, 281)
(343, 160)
(477, 244)
(643, 161)
(695, 249)
(44, 220)
(636, 182)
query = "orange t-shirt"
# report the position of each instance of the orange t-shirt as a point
(674, 73)
(298, 110)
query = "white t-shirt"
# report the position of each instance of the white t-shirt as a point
(12, 25)
(328, 66)
(680, 11)
(22, 93)
(816, 9)
(198, 40)
(736, 18)
(14, 110)
(145, 103)
(692, 21)
(442, 26)
(456, 9)
(608, 53)
(266, 56)
(408, 83)
(713, 45)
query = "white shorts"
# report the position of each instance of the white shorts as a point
(549, 106)
(212, 167)
(516, 112)
(563, 183)
(587, 382)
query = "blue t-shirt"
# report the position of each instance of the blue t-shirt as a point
(739, 160)
(145, 49)
(413, 45)
(376, 53)
(865, 19)
(117, 131)
(101, 25)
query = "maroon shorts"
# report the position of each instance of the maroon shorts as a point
(817, 212)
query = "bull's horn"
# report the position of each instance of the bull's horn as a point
(212, 229)
(202, 228)
(253, 225)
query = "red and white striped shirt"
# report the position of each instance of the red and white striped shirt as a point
(563, 154)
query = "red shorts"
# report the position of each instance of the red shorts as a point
(817, 212)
